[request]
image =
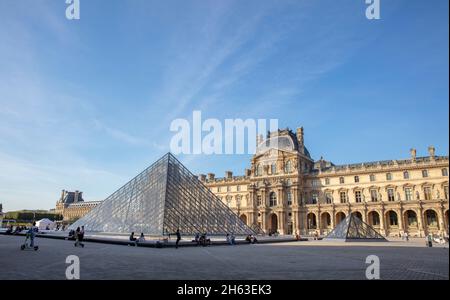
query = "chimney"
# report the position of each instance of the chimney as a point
(76, 197)
(229, 174)
(202, 177)
(80, 196)
(432, 151)
(63, 194)
(300, 139)
(211, 176)
(413, 154)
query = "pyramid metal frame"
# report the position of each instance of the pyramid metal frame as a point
(163, 198)
(353, 228)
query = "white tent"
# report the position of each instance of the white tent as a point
(44, 223)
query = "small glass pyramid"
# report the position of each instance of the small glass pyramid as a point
(353, 228)
(163, 198)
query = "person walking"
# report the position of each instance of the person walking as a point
(178, 234)
(78, 236)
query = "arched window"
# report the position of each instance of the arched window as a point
(288, 167)
(273, 199)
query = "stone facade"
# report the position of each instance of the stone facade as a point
(286, 191)
(71, 205)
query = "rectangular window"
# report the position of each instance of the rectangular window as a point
(238, 188)
(228, 188)
(391, 196)
(289, 198)
(343, 196)
(315, 198)
(329, 198)
(358, 196)
(356, 178)
(259, 200)
(424, 173)
(374, 195)
(315, 183)
(446, 192)
(406, 175)
(341, 180)
(444, 172)
(388, 176)
(218, 189)
(327, 181)
(372, 177)
(408, 194)
(427, 192)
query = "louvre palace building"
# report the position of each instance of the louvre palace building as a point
(285, 191)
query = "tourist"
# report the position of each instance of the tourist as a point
(233, 239)
(78, 237)
(429, 240)
(133, 239)
(254, 240)
(228, 239)
(197, 238)
(178, 234)
(248, 239)
(32, 232)
(406, 236)
(141, 238)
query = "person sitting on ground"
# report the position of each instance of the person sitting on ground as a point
(133, 239)
(248, 239)
(9, 230)
(197, 238)
(141, 238)
(254, 240)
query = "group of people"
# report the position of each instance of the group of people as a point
(136, 241)
(251, 239)
(16, 230)
(202, 240)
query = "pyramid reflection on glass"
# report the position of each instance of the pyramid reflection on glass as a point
(352, 229)
(163, 198)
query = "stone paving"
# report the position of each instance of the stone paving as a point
(295, 260)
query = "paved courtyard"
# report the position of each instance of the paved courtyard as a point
(298, 260)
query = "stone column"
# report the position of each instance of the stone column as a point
(382, 222)
(420, 222)
(401, 227)
(441, 223)
(281, 222)
(263, 220)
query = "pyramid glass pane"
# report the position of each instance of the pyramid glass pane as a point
(163, 198)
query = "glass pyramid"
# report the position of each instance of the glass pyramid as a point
(163, 198)
(353, 228)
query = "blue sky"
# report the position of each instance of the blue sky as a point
(87, 104)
